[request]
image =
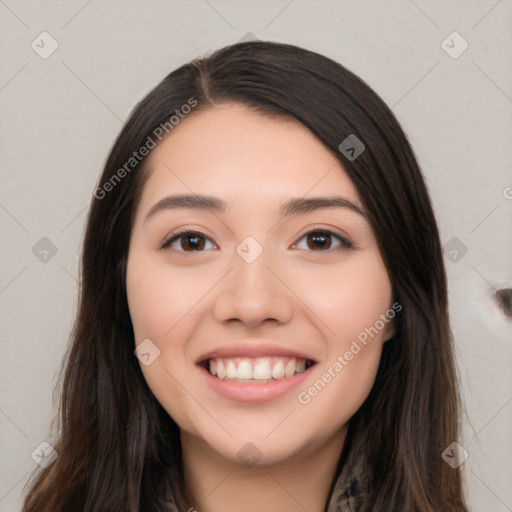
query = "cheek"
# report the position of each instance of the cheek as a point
(161, 309)
(160, 297)
(350, 303)
(349, 297)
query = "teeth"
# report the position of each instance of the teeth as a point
(221, 371)
(262, 371)
(278, 370)
(289, 369)
(231, 371)
(244, 370)
(256, 369)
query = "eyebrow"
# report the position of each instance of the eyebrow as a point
(294, 206)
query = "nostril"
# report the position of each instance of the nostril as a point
(503, 298)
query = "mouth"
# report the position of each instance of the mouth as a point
(256, 370)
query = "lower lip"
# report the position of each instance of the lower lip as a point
(254, 392)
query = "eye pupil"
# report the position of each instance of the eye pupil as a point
(192, 242)
(319, 240)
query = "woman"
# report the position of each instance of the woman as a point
(263, 241)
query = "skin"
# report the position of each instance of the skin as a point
(316, 299)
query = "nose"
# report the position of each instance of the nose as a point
(253, 293)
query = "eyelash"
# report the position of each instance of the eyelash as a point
(344, 242)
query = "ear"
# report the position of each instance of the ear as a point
(389, 331)
(391, 315)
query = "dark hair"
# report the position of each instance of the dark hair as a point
(118, 448)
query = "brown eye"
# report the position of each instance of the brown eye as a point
(188, 241)
(192, 242)
(322, 241)
(318, 240)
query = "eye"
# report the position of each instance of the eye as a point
(188, 241)
(321, 240)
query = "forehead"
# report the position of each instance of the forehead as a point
(242, 155)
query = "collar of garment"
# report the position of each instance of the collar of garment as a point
(350, 488)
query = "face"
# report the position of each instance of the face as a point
(282, 295)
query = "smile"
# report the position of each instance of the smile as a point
(256, 370)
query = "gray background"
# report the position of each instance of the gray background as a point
(60, 115)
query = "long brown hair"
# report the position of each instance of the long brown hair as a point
(118, 450)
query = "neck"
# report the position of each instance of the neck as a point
(302, 482)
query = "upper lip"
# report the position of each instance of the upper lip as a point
(254, 349)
